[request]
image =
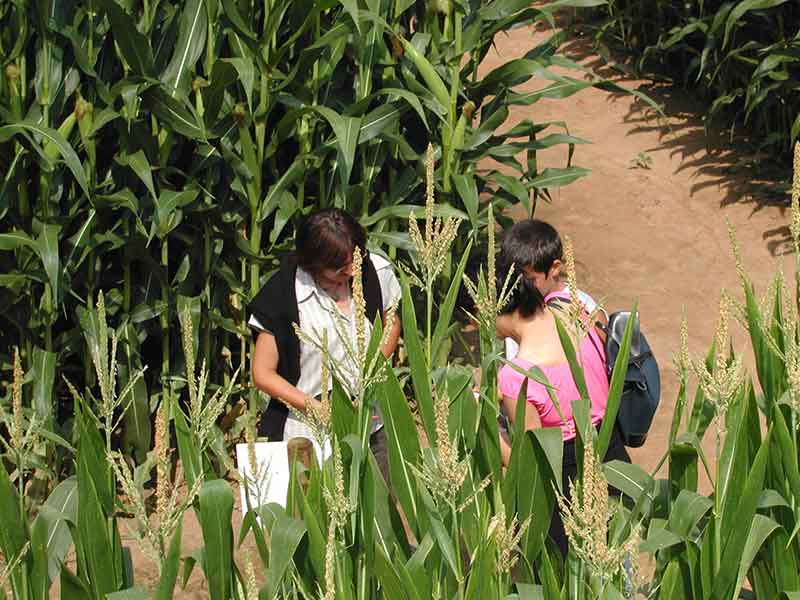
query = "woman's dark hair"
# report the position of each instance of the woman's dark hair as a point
(524, 297)
(327, 238)
(531, 243)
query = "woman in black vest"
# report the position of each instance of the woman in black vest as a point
(309, 286)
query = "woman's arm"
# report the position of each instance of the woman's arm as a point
(266, 377)
(505, 448)
(532, 421)
(390, 345)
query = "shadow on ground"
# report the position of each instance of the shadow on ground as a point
(716, 158)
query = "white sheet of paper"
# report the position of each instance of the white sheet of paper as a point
(271, 483)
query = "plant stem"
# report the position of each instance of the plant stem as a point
(429, 318)
(126, 271)
(717, 505)
(23, 517)
(448, 151)
(90, 41)
(47, 303)
(165, 293)
(255, 281)
(205, 320)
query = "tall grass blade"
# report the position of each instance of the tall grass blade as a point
(215, 512)
(404, 447)
(616, 385)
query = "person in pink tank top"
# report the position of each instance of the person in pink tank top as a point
(558, 373)
(532, 250)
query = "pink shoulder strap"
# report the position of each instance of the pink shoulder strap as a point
(564, 295)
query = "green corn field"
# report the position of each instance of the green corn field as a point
(163, 153)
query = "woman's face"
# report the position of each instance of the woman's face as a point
(334, 277)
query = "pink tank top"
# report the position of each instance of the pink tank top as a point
(593, 360)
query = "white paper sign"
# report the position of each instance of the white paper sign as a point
(271, 482)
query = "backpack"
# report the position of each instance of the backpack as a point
(641, 391)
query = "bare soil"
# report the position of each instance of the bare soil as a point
(658, 235)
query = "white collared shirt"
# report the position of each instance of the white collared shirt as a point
(315, 308)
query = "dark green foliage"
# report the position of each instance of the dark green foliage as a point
(742, 57)
(163, 152)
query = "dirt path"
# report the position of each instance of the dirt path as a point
(656, 234)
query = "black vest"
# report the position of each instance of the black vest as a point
(275, 307)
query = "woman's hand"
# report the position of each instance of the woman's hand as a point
(266, 377)
(313, 405)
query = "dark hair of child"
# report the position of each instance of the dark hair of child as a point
(533, 243)
(530, 244)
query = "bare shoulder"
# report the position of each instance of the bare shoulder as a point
(506, 326)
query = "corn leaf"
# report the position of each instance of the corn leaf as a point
(388, 576)
(13, 535)
(61, 145)
(190, 44)
(672, 583)
(135, 593)
(62, 506)
(558, 90)
(216, 509)
(683, 468)
(133, 45)
(14, 240)
(346, 131)
(447, 307)
(543, 482)
(44, 369)
(760, 529)
(403, 446)
(575, 366)
(169, 574)
(97, 541)
(432, 79)
(420, 377)
(616, 385)
(177, 115)
(686, 512)
(735, 543)
(630, 479)
(739, 11)
(47, 248)
(188, 450)
(286, 535)
(733, 466)
(555, 177)
(443, 540)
